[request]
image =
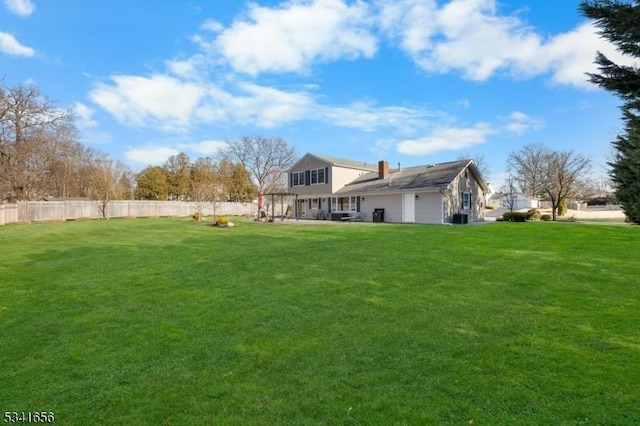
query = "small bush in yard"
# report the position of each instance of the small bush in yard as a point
(197, 216)
(222, 221)
(533, 214)
(562, 207)
(545, 217)
(515, 217)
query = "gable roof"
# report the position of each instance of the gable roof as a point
(340, 162)
(433, 176)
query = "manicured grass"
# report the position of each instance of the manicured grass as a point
(172, 322)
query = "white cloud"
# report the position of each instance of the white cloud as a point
(296, 34)
(519, 123)
(572, 54)
(465, 35)
(20, 7)
(464, 103)
(11, 46)
(84, 115)
(207, 147)
(170, 103)
(159, 101)
(470, 37)
(381, 147)
(212, 25)
(370, 117)
(269, 107)
(150, 155)
(447, 139)
(189, 69)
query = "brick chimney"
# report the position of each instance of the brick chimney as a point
(383, 169)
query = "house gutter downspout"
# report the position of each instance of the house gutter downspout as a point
(442, 205)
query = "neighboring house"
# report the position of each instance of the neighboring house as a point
(500, 200)
(437, 193)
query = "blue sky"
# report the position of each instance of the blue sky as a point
(409, 81)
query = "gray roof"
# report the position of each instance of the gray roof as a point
(427, 177)
(335, 161)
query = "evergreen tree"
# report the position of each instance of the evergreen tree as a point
(618, 22)
(178, 168)
(152, 184)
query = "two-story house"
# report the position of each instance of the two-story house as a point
(332, 188)
(315, 179)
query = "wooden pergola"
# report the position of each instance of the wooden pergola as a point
(281, 195)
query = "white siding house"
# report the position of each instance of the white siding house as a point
(520, 201)
(437, 193)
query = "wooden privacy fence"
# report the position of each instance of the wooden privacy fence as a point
(39, 211)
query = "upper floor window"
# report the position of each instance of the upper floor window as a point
(321, 176)
(297, 179)
(309, 177)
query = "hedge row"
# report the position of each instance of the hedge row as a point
(532, 214)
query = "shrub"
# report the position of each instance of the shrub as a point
(545, 217)
(515, 217)
(602, 201)
(533, 214)
(489, 207)
(562, 207)
(197, 216)
(222, 221)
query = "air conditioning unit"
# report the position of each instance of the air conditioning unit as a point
(460, 218)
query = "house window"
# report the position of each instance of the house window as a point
(321, 176)
(297, 179)
(466, 201)
(344, 204)
(314, 203)
(318, 176)
(310, 177)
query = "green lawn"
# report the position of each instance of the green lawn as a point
(171, 322)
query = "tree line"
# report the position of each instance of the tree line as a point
(39, 153)
(41, 158)
(204, 179)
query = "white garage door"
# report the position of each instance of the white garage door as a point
(429, 208)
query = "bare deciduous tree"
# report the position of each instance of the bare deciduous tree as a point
(110, 181)
(266, 159)
(556, 174)
(562, 176)
(509, 194)
(205, 184)
(480, 161)
(527, 165)
(31, 132)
